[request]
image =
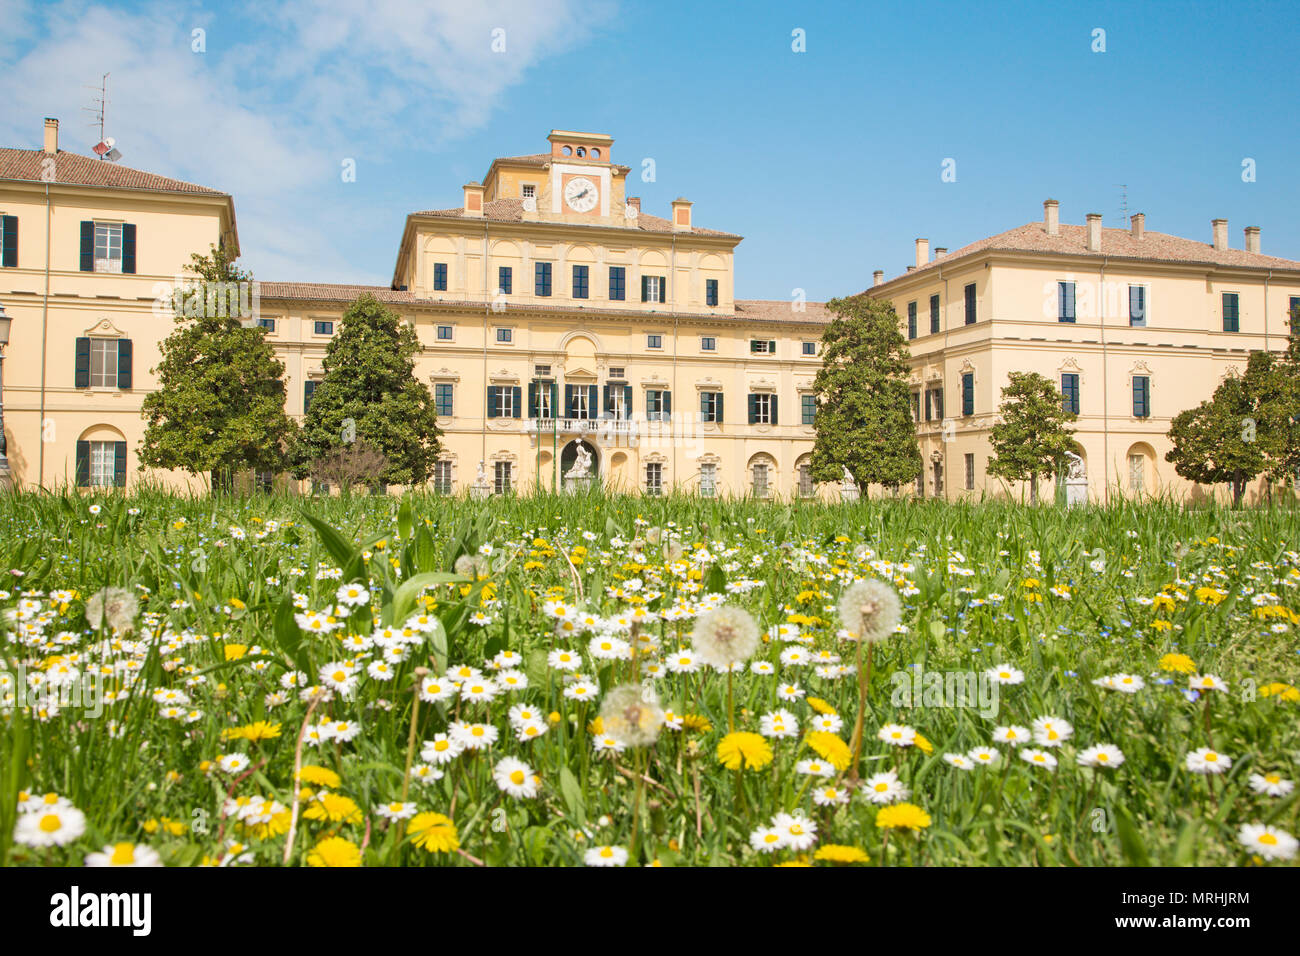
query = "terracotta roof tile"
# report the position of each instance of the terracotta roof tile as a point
(73, 169)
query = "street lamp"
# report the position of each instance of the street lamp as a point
(5, 478)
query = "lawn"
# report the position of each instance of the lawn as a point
(624, 681)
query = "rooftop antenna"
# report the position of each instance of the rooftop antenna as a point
(104, 148)
(1123, 203)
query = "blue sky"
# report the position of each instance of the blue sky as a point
(827, 161)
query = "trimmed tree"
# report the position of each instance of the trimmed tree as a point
(219, 407)
(864, 410)
(1221, 441)
(1032, 435)
(370, 393)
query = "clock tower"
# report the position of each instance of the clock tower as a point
(582, 175)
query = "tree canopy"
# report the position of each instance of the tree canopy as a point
(1032, 434)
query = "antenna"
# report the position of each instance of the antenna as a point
(1123, 203)
(104, 148)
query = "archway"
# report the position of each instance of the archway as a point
(570, 454)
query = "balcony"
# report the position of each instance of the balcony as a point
(581, 426)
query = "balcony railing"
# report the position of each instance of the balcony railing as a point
(581, 426)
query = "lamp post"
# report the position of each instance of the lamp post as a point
(6, 480)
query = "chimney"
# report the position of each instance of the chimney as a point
(911, 268)
(681, 215)
(1052, 217)
(51, 136)
(635, 203)
(922, 252)
(1138, 221)
(474, 200)
(1252, 239)
(1220, 227)
(940, 251)
(1094, 232)
(878, 277)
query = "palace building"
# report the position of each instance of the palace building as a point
(558, 317)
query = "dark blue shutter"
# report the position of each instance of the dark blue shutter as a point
(308, 390)
(119, 463)
(627, 400)
(668, 403)
(570, 401)
(911, 320)
(605, 403)
(82, 363)
(591, 401)
(532, 399)
(717, 407)
(123, 363)
(934, 314)
(1137, 306)
(1141, 396)
(970, 304)
(83, 464)
(128, 248)
(645, 285)
(1066, 297)
(968, 393)
(515, 401)
(87, 246)
(9, 239)
(491, 401)
(753, 408)
(772, 406)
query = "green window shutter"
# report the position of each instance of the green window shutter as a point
(773, 407)
(627, 399)
(570, 401)
(663, 289)
(668, 403)
(83, 464)
(124, 363)
(491, 402)
(532, 399)
(592, 395)
(82, 363)
(605, 400)
(515, 401)
(771, 347)
(753, 408)
(9, 240)
(128, 248)
(119, 464)
(645, 285)
(308, 390)
(717, 407)
(87, 246)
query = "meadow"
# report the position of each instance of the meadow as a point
(607, 681)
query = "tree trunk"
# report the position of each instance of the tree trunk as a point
(1238, 489)
(1033, 489)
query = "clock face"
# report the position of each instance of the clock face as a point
(581, 194)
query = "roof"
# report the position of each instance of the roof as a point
(1115, 244)
(755, 310)
(512, 210)
(73, 169)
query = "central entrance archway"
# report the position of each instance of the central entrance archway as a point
(570, 454)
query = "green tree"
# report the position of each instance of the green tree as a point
(370, 393)
(864, 418)
(1032, 435)
(219, 407)
(1221, 441)
(1279, 408)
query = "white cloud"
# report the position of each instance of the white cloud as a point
(282, 94)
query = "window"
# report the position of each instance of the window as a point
(1065, 302)
(580, 401)
(970, 304)
(711, 407)
(970, 472)
(1141, 396)
(1136, 473)
(580, 282)
(103, 363)
(708, 344)
(934, 404)
(654, 478)
(108, 247)
(503, 401)
(654, 289)
(308, 390)
(442, 476)
(323, 328)
(8, 242)
(937, 470)
(1294, 304)
(968, 393)
(542, 371)
(658, 405)
(1137, 305)
(444, 333)
(1070, 392)
(618, 401)
(708, 479)
(505, 336)
(654, 341)
(1231, 313)
(710, 291)
(501, 477)
(542, 281)
(617, 283)
(807, 409)
(934, 315)
(541, 398)
(810, 348)
(762, 408)
(762, 347)
(442, 393)
(268, 324)
(614, 372)
(805, 480)
(916, 406)
(264, 480)
(911, 320)
(103, 463)
(528, 190)
(760, 476)
(920, 484)
(505, 280)
(440, 277)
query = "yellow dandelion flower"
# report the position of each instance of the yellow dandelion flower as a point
(831, 748)
(696, 722)
(746, 747)
(819, 705)
(235, 651)
(333, 807)
(838, 853)
(923, 745)
(434, 832)
(902, 816)
(1279, 689)
(334, 851)
(320, 776)
(1178, 663)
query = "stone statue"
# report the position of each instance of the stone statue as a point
(481, 477)
(1076, 466)
(581, 463)
(848, 481)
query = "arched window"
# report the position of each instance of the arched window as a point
(101, 458)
